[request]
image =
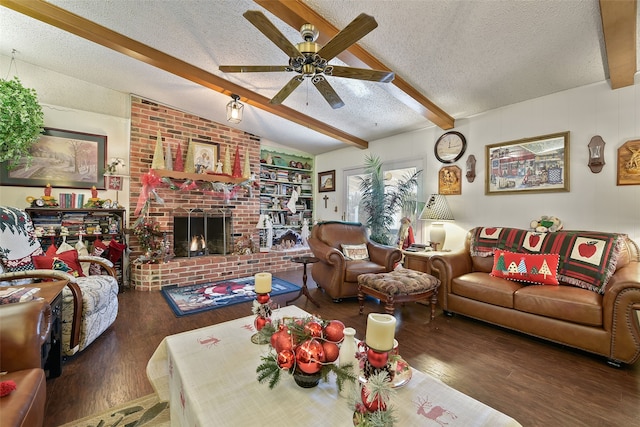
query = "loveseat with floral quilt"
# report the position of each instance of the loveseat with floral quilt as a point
(577, 288)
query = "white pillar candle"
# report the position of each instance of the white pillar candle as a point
(380, 331)
(263, 283)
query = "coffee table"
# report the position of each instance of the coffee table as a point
(209, 377)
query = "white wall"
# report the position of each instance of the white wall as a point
(73, 104)
(594, 202)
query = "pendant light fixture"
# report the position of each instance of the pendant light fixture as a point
(235, 109)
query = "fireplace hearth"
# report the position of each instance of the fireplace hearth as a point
(199, 232)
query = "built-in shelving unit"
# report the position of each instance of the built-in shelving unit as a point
(89, 224)
(283, 177)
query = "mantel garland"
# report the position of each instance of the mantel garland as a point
(219, 190)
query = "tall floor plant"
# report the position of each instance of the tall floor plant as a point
(380, 201)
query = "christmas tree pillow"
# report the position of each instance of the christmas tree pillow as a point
(533, 268)
(64, 261)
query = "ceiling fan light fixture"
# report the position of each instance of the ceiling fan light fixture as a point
(235, 109)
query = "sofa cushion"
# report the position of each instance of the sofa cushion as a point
(356, 268)
(561, 302)
(64, 261)
(482, 287)
(531, 268)
(355, 252)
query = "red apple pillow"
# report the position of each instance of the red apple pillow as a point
(533, 268)
(64, 261)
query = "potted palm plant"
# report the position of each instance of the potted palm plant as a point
(21, 121)
(381, 201)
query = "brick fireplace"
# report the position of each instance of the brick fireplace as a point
(176, 128)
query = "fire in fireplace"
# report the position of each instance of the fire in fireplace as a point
(197, 232)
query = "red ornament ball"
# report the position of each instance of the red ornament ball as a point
(314, 329)
(263, 298)
(377, 359)
(260, 322)
(331, 351)
(286, 359)
(376, 403)
(309, 356)
(281, 340)
(334, 331)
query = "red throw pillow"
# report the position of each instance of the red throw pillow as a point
(532, 268)
(65, 261)
(51, 251)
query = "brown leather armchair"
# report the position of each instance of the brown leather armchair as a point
(334, 273)
(23, 329)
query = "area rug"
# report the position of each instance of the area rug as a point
(185, 300)
(147, 411)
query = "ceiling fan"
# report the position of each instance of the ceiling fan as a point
(310, 59)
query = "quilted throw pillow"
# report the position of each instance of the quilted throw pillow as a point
(65, 261)
(356, 252)
(18, 242)
(532, 268)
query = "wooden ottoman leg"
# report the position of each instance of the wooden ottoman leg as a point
(434, 300)
(389, 305)
(361, 298)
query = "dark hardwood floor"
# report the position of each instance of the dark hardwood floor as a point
(535, 382)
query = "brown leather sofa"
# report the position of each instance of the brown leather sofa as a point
(335, 274)
(607, 325)
(23, 329)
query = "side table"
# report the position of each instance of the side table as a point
(52, 347)
(419, 261)
(304, 260)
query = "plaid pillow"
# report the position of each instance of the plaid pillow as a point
(356, 252)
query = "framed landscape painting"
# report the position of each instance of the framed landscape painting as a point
(530, 165)
(62, 158)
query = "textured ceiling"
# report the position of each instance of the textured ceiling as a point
(465, 56)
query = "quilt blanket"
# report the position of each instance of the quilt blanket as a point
(588, 259)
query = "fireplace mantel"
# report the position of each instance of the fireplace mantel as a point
(198, 176)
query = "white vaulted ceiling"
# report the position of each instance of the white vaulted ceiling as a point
(465, 56)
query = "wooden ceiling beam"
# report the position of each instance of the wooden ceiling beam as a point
(296, 13)
(619, 28)
(67, 21)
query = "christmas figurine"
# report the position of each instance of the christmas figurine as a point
(94, 193)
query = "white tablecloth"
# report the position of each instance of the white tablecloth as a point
(209, 377)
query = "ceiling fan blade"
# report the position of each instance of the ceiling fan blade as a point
(327, 92)
(266, 27)
(286, 90)
(357, 29)
(251, 68)
(362, 74)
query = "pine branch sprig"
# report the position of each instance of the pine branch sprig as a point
(269, 370)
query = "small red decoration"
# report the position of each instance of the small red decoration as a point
(237, 169)
(377, 359)
(260, 322)
(263, 298)
(309, 356)
(286, 359)
(376, 404)
(314, 329)
(331, 351)
(281, 340)
(334, 331)
(178, 165)
(6, 387)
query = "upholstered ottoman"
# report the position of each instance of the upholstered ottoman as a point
(401, 286)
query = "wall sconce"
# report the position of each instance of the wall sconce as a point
(596, 154)
(471, 168)
(235, 109)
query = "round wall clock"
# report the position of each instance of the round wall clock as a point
(450, 147)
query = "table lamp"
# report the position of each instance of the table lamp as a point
(437, 209)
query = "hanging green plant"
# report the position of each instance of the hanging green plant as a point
(21, 121)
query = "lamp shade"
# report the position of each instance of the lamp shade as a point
(436, 209)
